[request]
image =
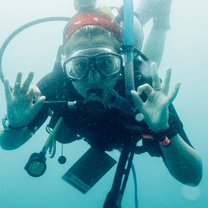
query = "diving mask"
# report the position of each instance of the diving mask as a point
(104, 60)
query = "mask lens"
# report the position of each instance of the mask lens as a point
(108, 64)
(76, 67)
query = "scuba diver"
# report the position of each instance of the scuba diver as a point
(85, 94)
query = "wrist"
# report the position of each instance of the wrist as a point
(164, 137)
(7, 126)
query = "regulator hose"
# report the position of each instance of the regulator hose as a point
(20, 29)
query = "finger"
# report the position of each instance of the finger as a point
(166, 82)
(144, 88)
(34, 92)
(155, 77)
(174, 93)
(7, 89)
(27, 82)
(137, 100)
(38, 105)
(17, 83)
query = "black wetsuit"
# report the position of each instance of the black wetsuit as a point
(110, 131)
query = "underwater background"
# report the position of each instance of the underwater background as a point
(186, 51)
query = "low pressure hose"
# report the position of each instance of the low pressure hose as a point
(20, 29)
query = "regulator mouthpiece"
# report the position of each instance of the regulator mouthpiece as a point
(93, 106)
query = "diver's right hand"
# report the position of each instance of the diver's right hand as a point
(21, 108)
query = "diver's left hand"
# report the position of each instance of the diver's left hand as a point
(155, 108)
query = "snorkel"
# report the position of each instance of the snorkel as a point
(128, 34)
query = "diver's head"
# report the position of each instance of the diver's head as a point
(92, 55)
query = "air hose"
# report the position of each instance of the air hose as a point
(20, 29)
(52, 135)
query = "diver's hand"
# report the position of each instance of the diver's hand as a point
(155, 108)
(20, 107)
